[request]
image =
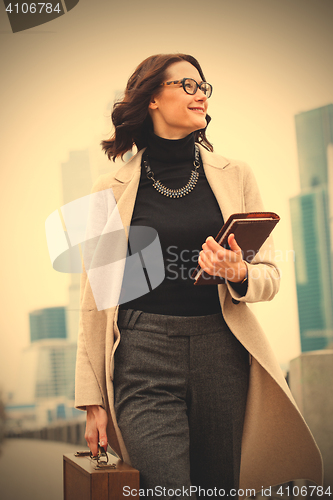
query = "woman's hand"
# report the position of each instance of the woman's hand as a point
(218, 261)
(97, 420)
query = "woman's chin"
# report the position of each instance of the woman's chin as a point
(201, 125)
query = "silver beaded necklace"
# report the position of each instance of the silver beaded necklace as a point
(175, 193)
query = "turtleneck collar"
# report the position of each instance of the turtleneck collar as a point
(167, 150)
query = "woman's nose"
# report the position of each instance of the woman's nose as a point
(200, 96)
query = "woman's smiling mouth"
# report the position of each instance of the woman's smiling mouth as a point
(199, 110)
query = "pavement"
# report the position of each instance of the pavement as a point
(32, 469)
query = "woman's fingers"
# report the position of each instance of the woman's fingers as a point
(211, 263)
(96, 428)
(218, 261)
(233, 245)
(103, 439)
(91, 436)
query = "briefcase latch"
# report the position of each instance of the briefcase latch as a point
(101, 460)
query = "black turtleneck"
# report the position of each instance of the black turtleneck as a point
(182, 224)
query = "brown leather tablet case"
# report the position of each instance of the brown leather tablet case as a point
(251, 230)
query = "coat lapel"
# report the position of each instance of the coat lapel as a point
(125, 186)
(224, 182)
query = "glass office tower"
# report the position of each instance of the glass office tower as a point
(47, 365)
(48, 323)
(311, 229)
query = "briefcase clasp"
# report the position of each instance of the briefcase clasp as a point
(100, 460)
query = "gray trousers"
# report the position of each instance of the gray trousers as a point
(180, 394)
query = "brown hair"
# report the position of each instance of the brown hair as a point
(130, 115)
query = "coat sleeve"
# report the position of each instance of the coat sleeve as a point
(87, 390)
(87, 387)
(263, 274)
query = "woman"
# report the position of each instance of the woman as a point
(186, 402)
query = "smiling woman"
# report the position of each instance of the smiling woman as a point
(175, 113)
(180, 380)
(131, 116)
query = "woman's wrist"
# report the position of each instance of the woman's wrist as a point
(93, 407)
(241, 286)
(241, 276)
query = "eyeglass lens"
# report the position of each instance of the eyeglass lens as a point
(191, 87)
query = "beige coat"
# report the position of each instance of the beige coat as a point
(277, 445)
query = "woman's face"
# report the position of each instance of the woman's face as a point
(175, 114)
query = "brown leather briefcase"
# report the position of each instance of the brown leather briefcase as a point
(107, 478)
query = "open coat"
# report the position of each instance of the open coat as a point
(277, 444)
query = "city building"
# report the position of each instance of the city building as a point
(45, 385)
(48, 323)
(310, 217)
(46, 371)
(76, 183)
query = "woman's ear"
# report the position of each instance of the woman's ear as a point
(153, 103)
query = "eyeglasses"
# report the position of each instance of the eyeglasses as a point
(191, 86)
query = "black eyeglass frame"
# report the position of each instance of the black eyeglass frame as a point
(198, 86)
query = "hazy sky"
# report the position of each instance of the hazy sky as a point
(266, 59)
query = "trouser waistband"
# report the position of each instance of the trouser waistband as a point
(171, 325)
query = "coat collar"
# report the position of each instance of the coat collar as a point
(221, 175)
(127, 171)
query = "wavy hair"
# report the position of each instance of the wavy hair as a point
(130, 115)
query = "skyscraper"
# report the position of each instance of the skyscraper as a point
(310, 217)
(48, 323)
(46, 371)
(76, 182)
(314, 133)
(47, 365)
